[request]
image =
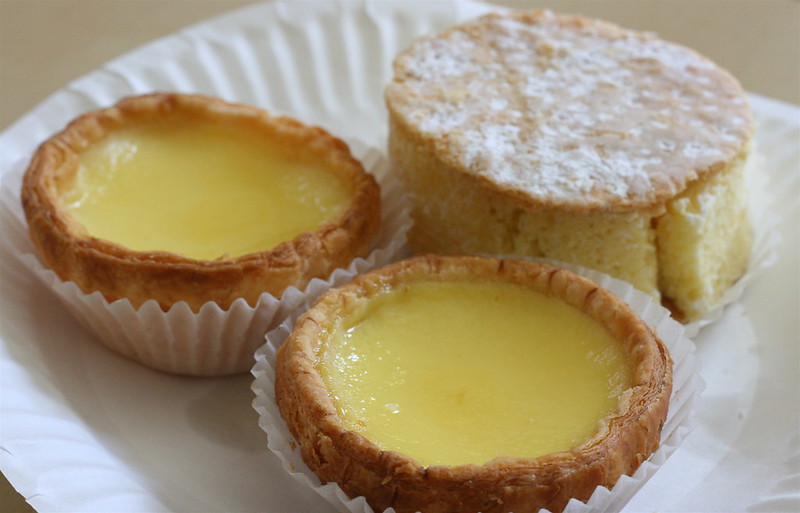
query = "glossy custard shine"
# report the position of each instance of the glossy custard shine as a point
(203, 190)
(461, 372)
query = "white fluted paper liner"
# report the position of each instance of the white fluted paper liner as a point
(213, 341)
(687, 386)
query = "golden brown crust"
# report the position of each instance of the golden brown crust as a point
(97, 264)
(622, 441)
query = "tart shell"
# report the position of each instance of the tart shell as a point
(622, 440)
(118, 272)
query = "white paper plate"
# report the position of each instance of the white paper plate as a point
(84, 430)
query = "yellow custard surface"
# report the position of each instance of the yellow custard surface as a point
(454, 372)
(202, 190)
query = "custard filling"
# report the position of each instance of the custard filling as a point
(202, 190)
(461, 372)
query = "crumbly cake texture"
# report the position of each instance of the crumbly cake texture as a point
(623, 439)
(96, 264)
(553, 135)
(703, 241)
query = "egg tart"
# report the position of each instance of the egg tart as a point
(472, 384)
(183, 197)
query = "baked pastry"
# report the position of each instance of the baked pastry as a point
(190, 198)
(466, 384)
(569, 138)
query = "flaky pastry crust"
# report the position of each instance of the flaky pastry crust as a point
(118, 272)
(622, 440)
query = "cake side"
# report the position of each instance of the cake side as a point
(704, 240)
(452, 212)
(457, 213)
(618, 244)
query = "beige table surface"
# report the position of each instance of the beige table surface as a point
(44, 44)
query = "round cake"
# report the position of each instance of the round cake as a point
(176, 197)
(467, 384)
(552, 135)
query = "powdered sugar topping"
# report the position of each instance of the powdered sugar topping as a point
(571, 111)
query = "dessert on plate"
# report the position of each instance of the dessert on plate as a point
(465, 383)
(558, 136)
(189, 200)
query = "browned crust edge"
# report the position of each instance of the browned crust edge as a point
(97, 264)
(622, 441)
